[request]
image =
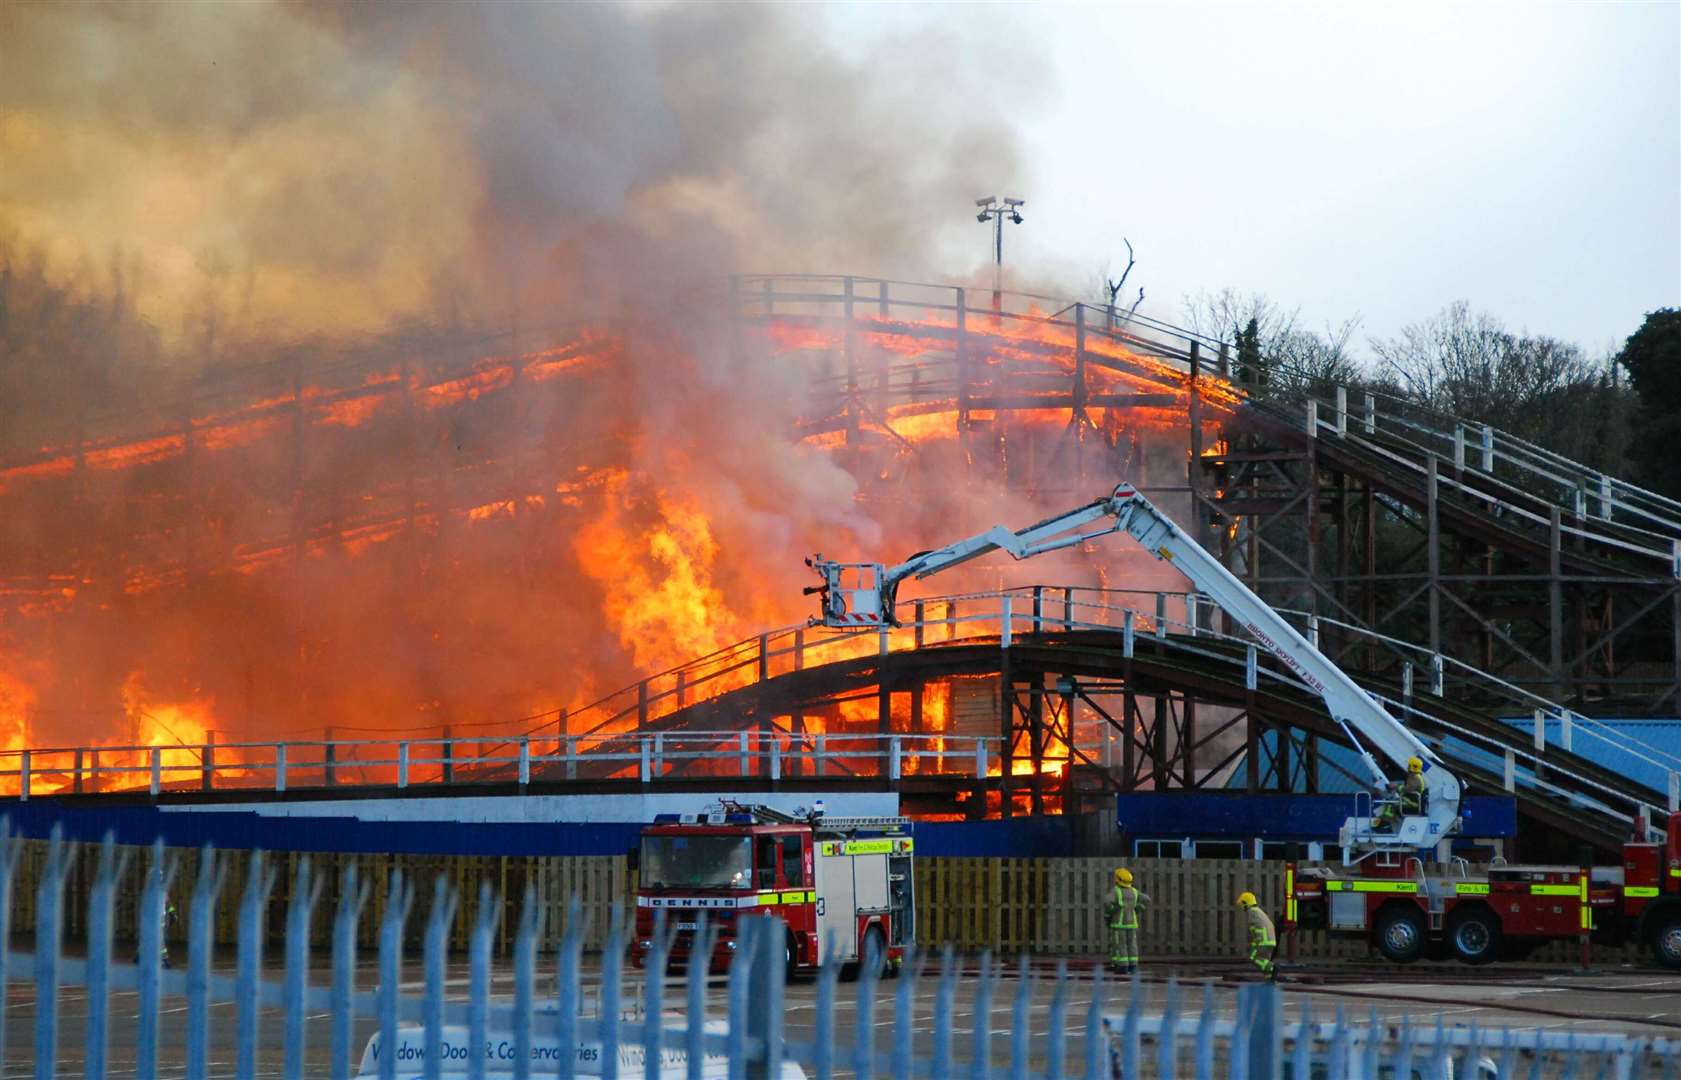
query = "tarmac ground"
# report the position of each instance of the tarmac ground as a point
(1632, 1000)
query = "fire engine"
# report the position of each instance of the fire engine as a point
(1404, 911)
(840, 883)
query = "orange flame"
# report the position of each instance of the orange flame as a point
(657, 575)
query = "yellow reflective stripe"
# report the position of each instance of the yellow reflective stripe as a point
(869, 847)
(771, 896)
(1552, 890)
(1373, 886)
(1471, 888)
(1676, 872)
(1640, 890)
(1290, 894)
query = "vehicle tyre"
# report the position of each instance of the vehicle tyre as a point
(1474, 935)
(875, 943)
(1666, 938)
(790, 958)
(1400, 933)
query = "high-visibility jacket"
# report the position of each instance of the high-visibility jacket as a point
(1412, 794)
(1261, 933)
(1127, 904)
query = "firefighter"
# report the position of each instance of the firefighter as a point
(1262, 938)
(171, 918)
(1411, 798)
(1123, 908)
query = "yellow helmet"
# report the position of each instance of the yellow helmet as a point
(1245, 899)
(1415, 765)
(1123, 876)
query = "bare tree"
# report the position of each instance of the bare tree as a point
(1548, 391)
(1114, 286)
(1315, 362)
(1221, 315)
(1468, 364)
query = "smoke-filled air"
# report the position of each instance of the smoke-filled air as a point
(372, 368)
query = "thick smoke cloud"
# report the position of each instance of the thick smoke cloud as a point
(193, 191)
(337, 167)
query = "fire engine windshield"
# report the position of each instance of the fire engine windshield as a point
(723, 862)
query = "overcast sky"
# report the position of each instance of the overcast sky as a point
(1349, 159)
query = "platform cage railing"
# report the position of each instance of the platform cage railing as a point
(1024, 1023)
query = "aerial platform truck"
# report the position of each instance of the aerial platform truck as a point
(1382, 890)
(837, 883)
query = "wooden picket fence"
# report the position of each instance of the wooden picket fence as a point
(599, 882)
(1056, 905)
(1048, 906)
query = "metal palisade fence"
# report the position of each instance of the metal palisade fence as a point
(503, 1020)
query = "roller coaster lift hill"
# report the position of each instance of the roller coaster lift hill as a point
(1382, 892)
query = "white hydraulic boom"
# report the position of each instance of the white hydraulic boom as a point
(863, 595)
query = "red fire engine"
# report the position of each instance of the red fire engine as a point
(1403, 910)
(840, 880)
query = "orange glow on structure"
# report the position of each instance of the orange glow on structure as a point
(667, 574)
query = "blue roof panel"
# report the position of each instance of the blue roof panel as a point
(1644, 749)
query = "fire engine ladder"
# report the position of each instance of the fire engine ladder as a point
(861, 824)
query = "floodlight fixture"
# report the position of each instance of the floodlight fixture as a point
(991, 211)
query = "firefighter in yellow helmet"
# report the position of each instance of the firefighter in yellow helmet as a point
(1122, 910)
(1410, 798)
(1263, 939)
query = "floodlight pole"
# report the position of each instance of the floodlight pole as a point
(997, 252)
(992, 210)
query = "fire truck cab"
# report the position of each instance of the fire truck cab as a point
(1402, 909)
(840, 883)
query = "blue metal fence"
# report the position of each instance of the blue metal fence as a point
(467, 1030)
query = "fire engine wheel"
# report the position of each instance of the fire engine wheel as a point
(875, 944)
(1400, 933)
(1475, 936)
(790, 958)
(1666, 940)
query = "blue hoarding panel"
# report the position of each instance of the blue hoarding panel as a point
(1279, 817)
(141, 823)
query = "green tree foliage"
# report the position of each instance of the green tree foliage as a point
(1249, 364)
(1652, 358)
